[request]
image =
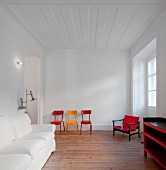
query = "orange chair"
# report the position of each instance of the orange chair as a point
(129, 124)
(72, 115)
(58, 118)
(86, 122)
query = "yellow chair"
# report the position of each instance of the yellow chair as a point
(72, 114)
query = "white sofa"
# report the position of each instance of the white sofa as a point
(24, 146)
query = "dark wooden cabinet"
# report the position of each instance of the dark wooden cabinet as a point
(155, 139)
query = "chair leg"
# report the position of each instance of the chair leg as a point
(66, 129)
(75, 128)
(80, 128)
(63, 127)
(90, 128)
(113, 128)
(138, 132)
(60, 129)
(129, 136)
(113, 132)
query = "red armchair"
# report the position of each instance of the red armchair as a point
(130, 125)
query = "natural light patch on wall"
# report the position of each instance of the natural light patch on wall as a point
(96, 80)
(138, 86)
(144, 81)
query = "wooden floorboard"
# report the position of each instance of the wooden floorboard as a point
(99, 151)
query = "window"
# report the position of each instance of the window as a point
(151, 80)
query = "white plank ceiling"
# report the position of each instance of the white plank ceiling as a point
(85, 24)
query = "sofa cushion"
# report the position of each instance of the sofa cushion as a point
(43, 128)
(15, 162)
(46, 136)
(21, 124)
(6, 131)
(30, 147)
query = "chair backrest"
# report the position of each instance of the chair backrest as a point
(57, 113)
(86, 112)
(130, 119)
(70, 113)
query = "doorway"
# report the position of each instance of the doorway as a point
(32, 83)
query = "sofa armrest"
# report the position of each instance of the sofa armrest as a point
(43, 128)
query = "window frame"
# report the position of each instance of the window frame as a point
(151, 57)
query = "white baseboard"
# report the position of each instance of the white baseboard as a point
(102, 127)
(94, 127)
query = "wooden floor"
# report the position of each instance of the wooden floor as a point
(99, 151)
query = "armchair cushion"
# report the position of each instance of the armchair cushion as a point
(130, 119)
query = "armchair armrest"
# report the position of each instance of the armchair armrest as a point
(118, 120)
(43, 127)
(134, 123)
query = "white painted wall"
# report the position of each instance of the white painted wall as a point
(158, 30)
(87, 79)
(139, 86)
(31, 82)
(12, 43)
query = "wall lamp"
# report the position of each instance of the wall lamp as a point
(21, 104)
(30, 94)
(19, 62)
(26, 100)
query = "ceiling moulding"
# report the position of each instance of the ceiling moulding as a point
(149, 29)
(26, 28)
(82, 1)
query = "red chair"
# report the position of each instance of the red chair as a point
(86, 122)
(130, 126)
(58, 118)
